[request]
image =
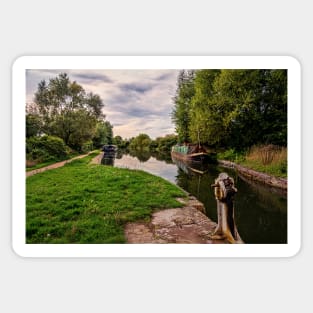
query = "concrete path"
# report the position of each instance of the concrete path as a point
(180, 225)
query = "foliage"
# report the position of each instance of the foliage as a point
(94, 208)
(67, 111)
(120, 142)
(46, 148)
(182, 104)
(205, 124)
(74, 127)
(141, 142)
(232, 108)
(164, 144)
(33, 125)
(231, 155)
(103, 134)
(87, 146)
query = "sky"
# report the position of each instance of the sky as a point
(135, 101)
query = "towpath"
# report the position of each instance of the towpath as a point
(54, 165)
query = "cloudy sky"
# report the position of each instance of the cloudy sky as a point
(136, 101)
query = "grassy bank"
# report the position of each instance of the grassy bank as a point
(84, 203)
(267, 159)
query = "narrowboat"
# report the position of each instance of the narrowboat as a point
(109, 148)
(192, 153)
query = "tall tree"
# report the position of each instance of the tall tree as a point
(68, 111)
(205, 124)
(182, 103)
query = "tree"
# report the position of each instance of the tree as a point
(182, 103)
(232, 108)
(103, 134)
(205, 124)
(141, 142)
(74, 127)
(70, 113)
(254, 106)
(164, 144)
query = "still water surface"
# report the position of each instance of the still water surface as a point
(260, 211)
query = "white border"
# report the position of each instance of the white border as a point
(156, 250)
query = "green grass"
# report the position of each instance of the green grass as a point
(278, 170)
(84, 203)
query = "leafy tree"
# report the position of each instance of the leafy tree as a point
(205, 125)
(70, 113)
(182, 103)
(120, 142)
(232, 108)
(103, 134)
(254, 106)
(141, 142)
(164, 144)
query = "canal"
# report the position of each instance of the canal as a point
(260, 211)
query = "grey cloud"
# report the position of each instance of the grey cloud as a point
(91, 77)
(136, 87)
(164, 76)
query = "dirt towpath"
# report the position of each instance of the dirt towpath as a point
(97, 159)
(54, 165)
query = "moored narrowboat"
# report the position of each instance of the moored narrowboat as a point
(109, 148)
(192, 153)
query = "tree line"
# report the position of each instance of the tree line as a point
(231, 108)
(143, 142)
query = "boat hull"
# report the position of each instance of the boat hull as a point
(199, 157)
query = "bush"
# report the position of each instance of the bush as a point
(231, 155)
(46, 148)
(87, 146)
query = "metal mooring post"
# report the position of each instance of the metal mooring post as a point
(224, 191)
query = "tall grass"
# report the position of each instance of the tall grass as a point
(268, 158)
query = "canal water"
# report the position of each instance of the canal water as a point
(260, 211)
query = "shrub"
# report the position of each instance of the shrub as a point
(231, 155)
(87, 146)
(46, 148)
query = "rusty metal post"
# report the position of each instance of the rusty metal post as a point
(224, 191)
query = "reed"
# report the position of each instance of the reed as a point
(268, 158)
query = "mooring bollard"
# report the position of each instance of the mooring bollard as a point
(224, 191)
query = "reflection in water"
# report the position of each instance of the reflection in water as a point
(261, 214)
(108, 160)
